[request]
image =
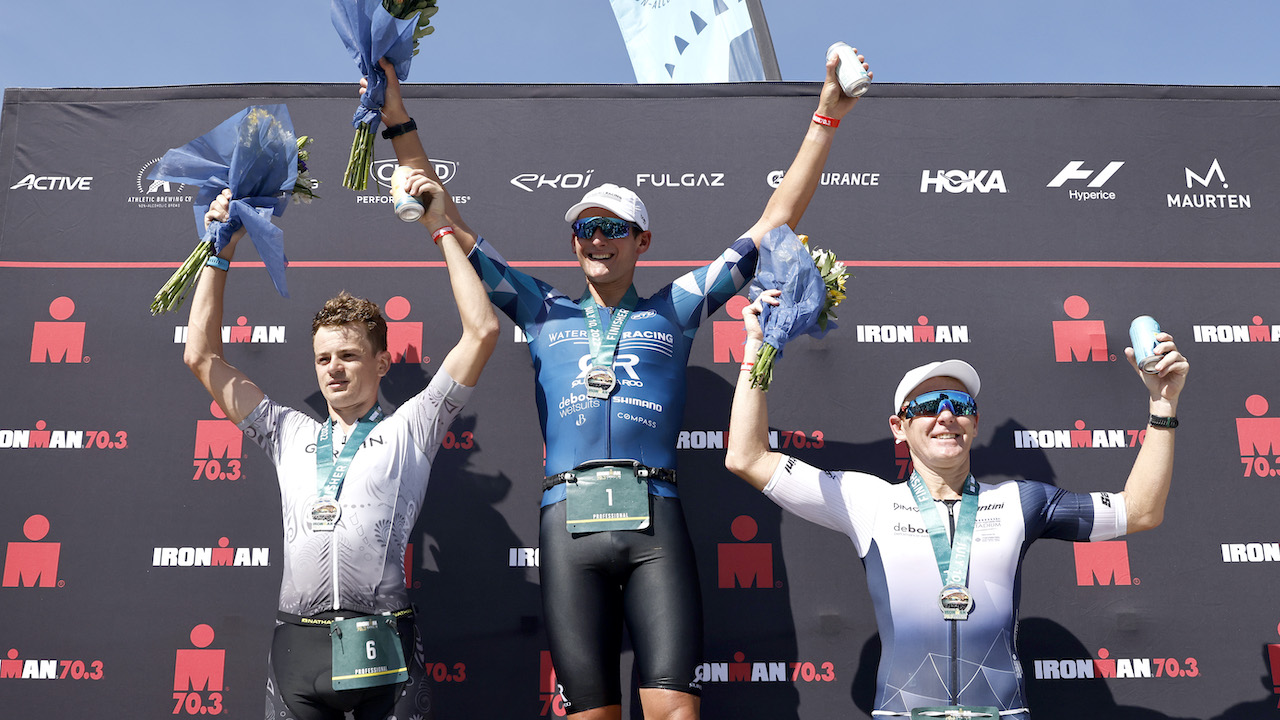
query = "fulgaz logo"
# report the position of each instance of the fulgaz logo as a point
(681, 180)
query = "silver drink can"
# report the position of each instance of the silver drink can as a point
(1142, 337)
(408, 208)
(852, 76)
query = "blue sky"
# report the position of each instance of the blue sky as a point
(118, 43)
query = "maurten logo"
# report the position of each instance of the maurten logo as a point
(1079, 340)
(33, 563)
(745, 564)
(1203, 191)
(58, 341)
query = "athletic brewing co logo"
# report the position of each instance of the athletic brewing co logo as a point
(1212, 180)
(222, 556)
(1256, 332)
(963, 181)
(1259, 439)
(1105, 666)
(162, 194)
(1105, 562)
(1077, 339)
(241, 332)
(745, 564)
(33, 563)
(832, 179)
(1075, 172)
(58, 341)
(198, 675)
(921, 332)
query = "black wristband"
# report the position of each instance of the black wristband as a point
(395, 131)
(1163, 422)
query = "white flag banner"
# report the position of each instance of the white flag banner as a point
(689, 41)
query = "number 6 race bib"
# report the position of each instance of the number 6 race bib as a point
(367, 653)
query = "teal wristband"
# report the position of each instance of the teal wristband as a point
(222, 264)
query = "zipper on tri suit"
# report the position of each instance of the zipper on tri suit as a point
(954, 689)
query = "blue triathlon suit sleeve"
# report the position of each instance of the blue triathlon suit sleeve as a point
(641, 419)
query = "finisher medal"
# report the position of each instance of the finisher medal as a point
(600, 382)
(323, 516)
(956, 602)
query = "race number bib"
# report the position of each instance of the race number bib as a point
(610, 497)
(367, 653)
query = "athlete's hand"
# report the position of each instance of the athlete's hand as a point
(751, 313)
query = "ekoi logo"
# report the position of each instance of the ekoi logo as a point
(1255, 332)
(921, 332)
(58, 341)
(1077, 339)
(198, 675)
(1258, 438)
(33, 563)
(15, 667)
(222, 556)
(745, 564)
(1105, 562)
(1105, 666)
(1080, 437)
(241, 332)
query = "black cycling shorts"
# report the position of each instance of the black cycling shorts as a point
(302, 675)
(593, 582)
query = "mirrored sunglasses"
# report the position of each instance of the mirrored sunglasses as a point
(613, 228)
(933, 403)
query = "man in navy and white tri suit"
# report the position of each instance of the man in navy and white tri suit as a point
(610, 385)
(351, 487)
(942, 552)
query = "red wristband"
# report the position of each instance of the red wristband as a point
(446, 230)
(824, 120)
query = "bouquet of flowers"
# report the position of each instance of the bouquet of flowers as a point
(371, 30)
(257, 156)
(812, 282)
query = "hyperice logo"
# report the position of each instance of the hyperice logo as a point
(1077, 339)
(1075, 172)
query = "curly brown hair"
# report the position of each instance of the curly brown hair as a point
(346, 308)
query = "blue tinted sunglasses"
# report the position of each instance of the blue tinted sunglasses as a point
(613, 228)
(933, 403)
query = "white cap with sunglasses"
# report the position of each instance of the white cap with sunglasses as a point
(958, 369)
(619, 200)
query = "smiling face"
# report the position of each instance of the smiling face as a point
(608, 264)
(940, 443)
(348, 369)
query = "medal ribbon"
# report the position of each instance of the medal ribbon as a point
(331, 473)
(953, 557)
(605, 345)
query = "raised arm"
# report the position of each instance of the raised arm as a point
(789, 200)
(230, 388)
(1147, 488)
(410, 153)
(467, 359)
(748, 455)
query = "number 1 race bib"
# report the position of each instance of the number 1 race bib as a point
(606, 498)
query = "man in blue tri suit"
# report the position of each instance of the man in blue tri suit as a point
(942, 552)
(610, 387)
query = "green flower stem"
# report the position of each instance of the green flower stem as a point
(174, 292)
(357, 175)
(762, 371)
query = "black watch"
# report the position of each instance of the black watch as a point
(1163, 422)
(395, 131)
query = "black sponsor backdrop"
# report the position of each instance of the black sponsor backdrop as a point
(1015, 258)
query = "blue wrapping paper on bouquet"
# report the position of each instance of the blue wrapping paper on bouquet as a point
(255, 154)
(785, 264)
(370, 33)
